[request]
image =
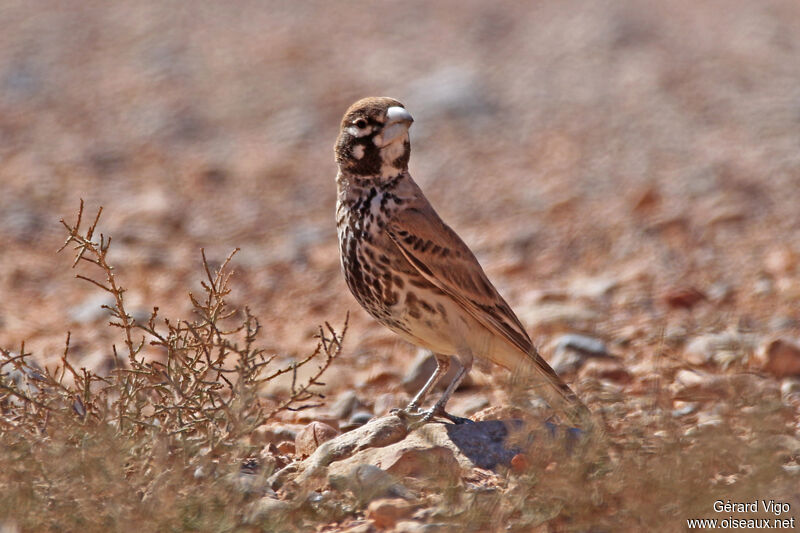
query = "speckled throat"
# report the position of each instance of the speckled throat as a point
(376, 271)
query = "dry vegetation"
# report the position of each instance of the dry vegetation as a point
(625, 170)
(131, 449)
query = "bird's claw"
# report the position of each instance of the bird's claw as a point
(418, 417)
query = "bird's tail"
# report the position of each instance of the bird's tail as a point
(533, 372)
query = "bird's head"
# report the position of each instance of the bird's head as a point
(373, 140)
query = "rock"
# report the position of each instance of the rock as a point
(682, 409)
(269, 514)
(360, 526)
(385, 513)
(368, 482)
(592, 288)
(312, 436)
(571, 351)
(695, 386)
(375, 434)
(610, 369)
(467, 406)
(422, 368)
(790, 390)
(780, 357)
(550, 314)
(382, 459)
(276, 432)
(286, 447)
(347, 403)
(722, 349)
(520, 463)
(691, 385)
(357, 420)
(682, 297)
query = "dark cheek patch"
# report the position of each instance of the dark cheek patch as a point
(368, 165)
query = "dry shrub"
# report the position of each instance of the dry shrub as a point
(161, 442)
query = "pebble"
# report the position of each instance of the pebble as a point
(780, 357)
(386, 512)
(571, 351)
(369, 482)
(723, 349)
(610, 369)
(357, 420)
(346, 404)
(683, 297)
(311, 436)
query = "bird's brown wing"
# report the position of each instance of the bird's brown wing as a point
(440, 255)
(444, 260)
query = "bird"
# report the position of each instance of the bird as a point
(413, 273)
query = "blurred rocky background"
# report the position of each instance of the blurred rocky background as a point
(627, 172)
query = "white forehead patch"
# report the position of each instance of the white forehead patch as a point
(358, 151)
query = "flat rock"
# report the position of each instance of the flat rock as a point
(383, 459)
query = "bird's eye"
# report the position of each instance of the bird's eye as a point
(361, 123)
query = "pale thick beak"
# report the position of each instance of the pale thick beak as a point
(398, 120)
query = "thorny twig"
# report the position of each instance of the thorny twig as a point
(198, 382)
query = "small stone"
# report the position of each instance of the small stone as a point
(691, 385)
(780, 357)
(724, 349)
(311, 436)
(684, 408)
(467, 406)
(368, 482)
(385, 512)
(268, 513)
(610, 369)
(520, 463)
(346, 404)
(683, 297)
(592, 288)
(552, 314)
(286, 447)
(276, 432)
(572, 350)
(790, 389)
(357, 420)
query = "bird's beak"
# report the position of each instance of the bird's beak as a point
(398, 120)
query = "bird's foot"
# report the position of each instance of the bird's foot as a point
(418, 417)
(412, 413)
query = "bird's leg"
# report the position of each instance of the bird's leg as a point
(412, 410)
(438, 407)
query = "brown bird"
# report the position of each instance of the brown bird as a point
(411, 272)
